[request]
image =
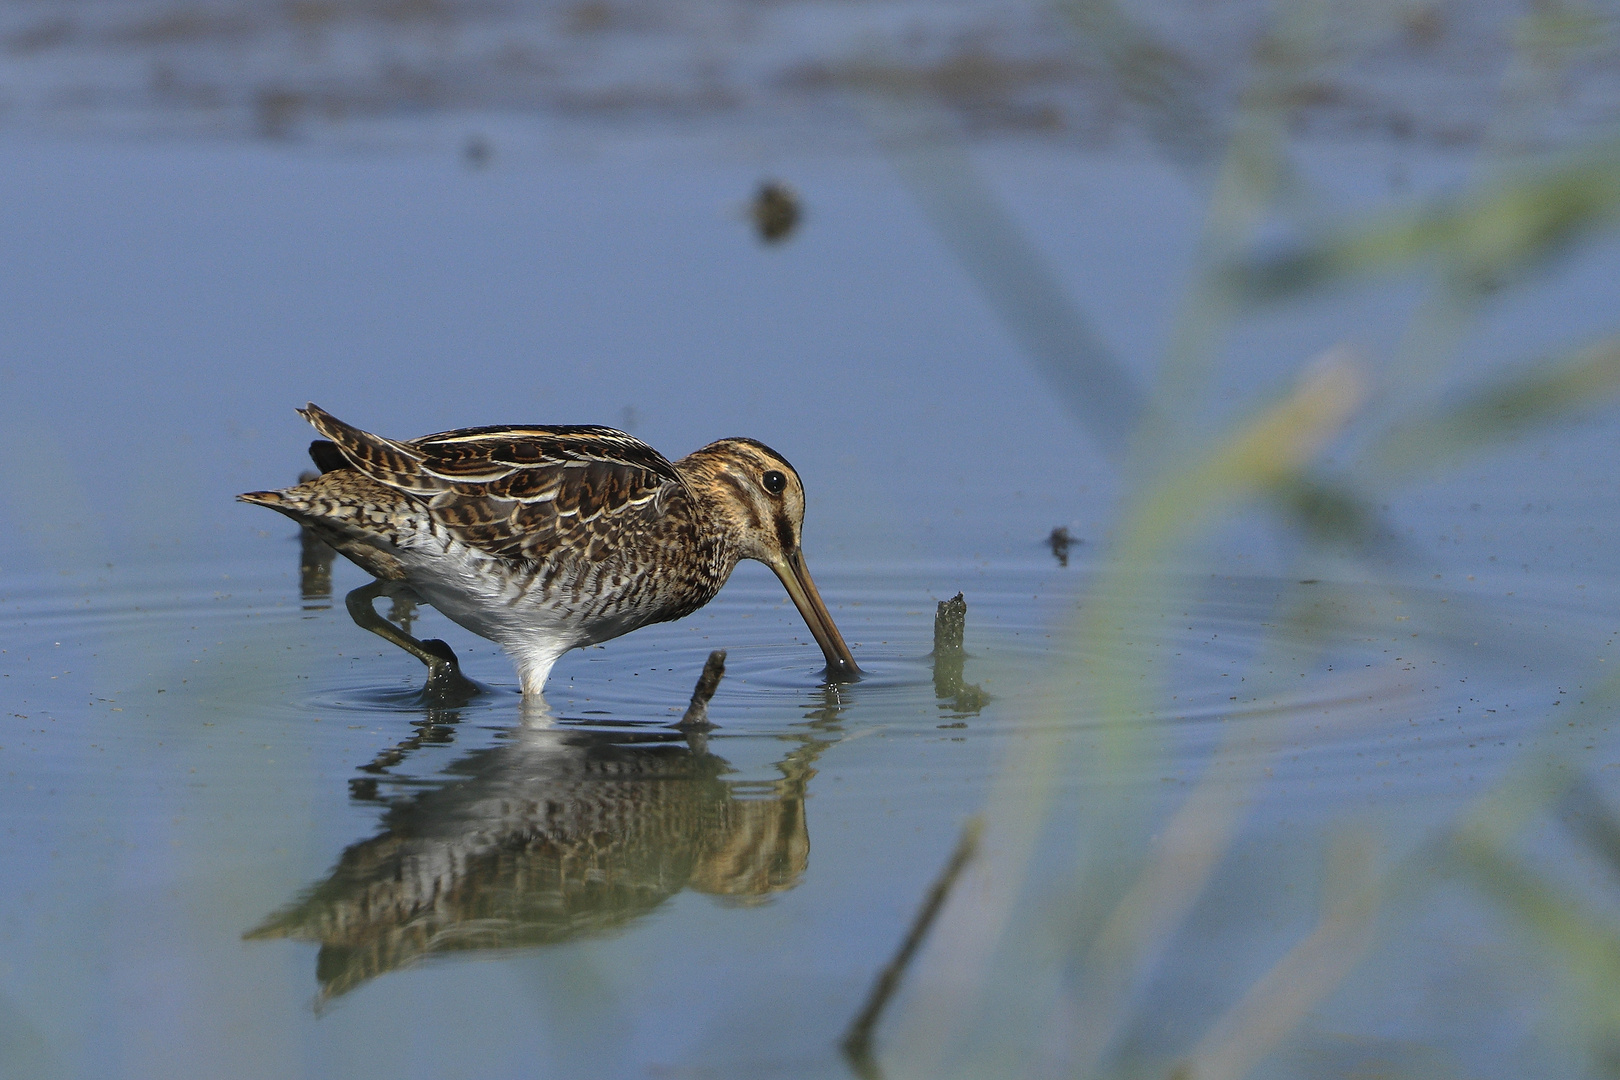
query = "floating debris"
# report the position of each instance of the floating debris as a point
(775, 211)
(278, 110)
(1060, 541)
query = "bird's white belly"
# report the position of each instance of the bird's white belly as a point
(480, 593)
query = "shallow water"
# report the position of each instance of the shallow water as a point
(239, 843)
(232, 823)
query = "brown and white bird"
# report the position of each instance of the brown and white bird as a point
(546, 539)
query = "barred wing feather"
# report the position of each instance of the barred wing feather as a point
(520, 493)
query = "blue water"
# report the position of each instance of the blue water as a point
(192, 740)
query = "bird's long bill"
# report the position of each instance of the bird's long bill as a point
(795, 577)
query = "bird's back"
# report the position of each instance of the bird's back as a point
(574, 534)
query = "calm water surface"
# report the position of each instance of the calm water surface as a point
(238, 843)
(234, 829)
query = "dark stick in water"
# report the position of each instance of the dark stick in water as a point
(697, 713)
(857, 1043)
(950, 622)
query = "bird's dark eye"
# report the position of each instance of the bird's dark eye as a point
(774, 482)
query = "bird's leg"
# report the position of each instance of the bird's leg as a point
(444, 670)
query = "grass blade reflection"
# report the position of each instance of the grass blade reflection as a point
(1013, 276)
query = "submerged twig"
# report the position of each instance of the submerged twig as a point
(857, 1042)
(697, 713)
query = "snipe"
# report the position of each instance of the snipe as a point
(545, 539)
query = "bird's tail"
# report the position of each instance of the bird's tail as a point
(386, 461)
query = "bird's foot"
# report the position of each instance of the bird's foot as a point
(445, 682)
(446, 685)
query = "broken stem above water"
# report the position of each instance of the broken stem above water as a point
(697, 713)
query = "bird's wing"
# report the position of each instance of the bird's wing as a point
(520, 492)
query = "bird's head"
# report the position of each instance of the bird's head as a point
(758, 497)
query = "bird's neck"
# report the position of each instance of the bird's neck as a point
(720, 519)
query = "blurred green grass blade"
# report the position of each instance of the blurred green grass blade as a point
(1271, 448)
(1584, 813)
(1552, 391)
(1330, 512)
(1486, 238)
(1268, 452)
(1281, 998)
(981, 1034)
(1253, 173)
(1587, 949)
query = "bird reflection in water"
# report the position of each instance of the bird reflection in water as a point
(315, 558)
(559, 833)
